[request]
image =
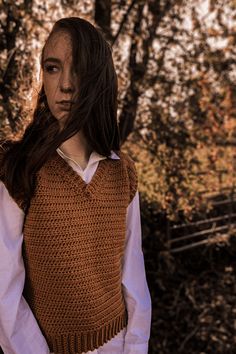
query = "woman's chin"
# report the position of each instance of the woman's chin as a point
(61, 122)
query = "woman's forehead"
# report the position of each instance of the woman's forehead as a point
(58, 45)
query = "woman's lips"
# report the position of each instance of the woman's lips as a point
(65, 105)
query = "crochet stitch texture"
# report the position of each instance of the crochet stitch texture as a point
(74, 239)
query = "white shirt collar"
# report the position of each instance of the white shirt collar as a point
(94, 157)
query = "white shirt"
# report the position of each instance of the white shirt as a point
(19, 330)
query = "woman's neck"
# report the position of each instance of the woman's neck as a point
(77, 148)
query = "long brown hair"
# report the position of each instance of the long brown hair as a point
(95, 111)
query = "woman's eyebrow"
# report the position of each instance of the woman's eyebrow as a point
(52, 59)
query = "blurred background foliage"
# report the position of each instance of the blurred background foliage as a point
(176, 66)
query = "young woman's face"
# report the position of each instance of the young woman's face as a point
(59, 80)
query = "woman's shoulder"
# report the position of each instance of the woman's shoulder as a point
(2, 152)
(6, 197)
(126, 158)
(4, 146)
(130, 167)
(2, 149)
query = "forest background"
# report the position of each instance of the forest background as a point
(176, 66)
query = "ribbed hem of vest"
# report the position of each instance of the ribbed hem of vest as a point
(86, 341)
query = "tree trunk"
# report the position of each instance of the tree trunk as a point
(103, 16)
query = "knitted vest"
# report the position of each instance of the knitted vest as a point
(74, 239)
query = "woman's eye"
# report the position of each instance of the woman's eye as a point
(51, 68)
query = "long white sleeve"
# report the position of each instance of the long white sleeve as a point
(136, 292)
(19, 331)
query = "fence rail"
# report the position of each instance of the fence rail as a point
(217, 227)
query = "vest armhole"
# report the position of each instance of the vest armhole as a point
(133, 181)
(133, 176)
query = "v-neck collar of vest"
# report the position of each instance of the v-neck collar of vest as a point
(80, 186)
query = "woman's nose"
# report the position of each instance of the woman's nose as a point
(67, 82)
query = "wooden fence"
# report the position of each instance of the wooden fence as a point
(217, 226)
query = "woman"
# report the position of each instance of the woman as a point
(71, 263)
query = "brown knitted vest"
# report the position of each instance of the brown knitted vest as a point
(74, 239)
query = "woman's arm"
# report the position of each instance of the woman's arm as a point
(136, 293)
(19, 331)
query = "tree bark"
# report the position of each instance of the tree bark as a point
(103, 17)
